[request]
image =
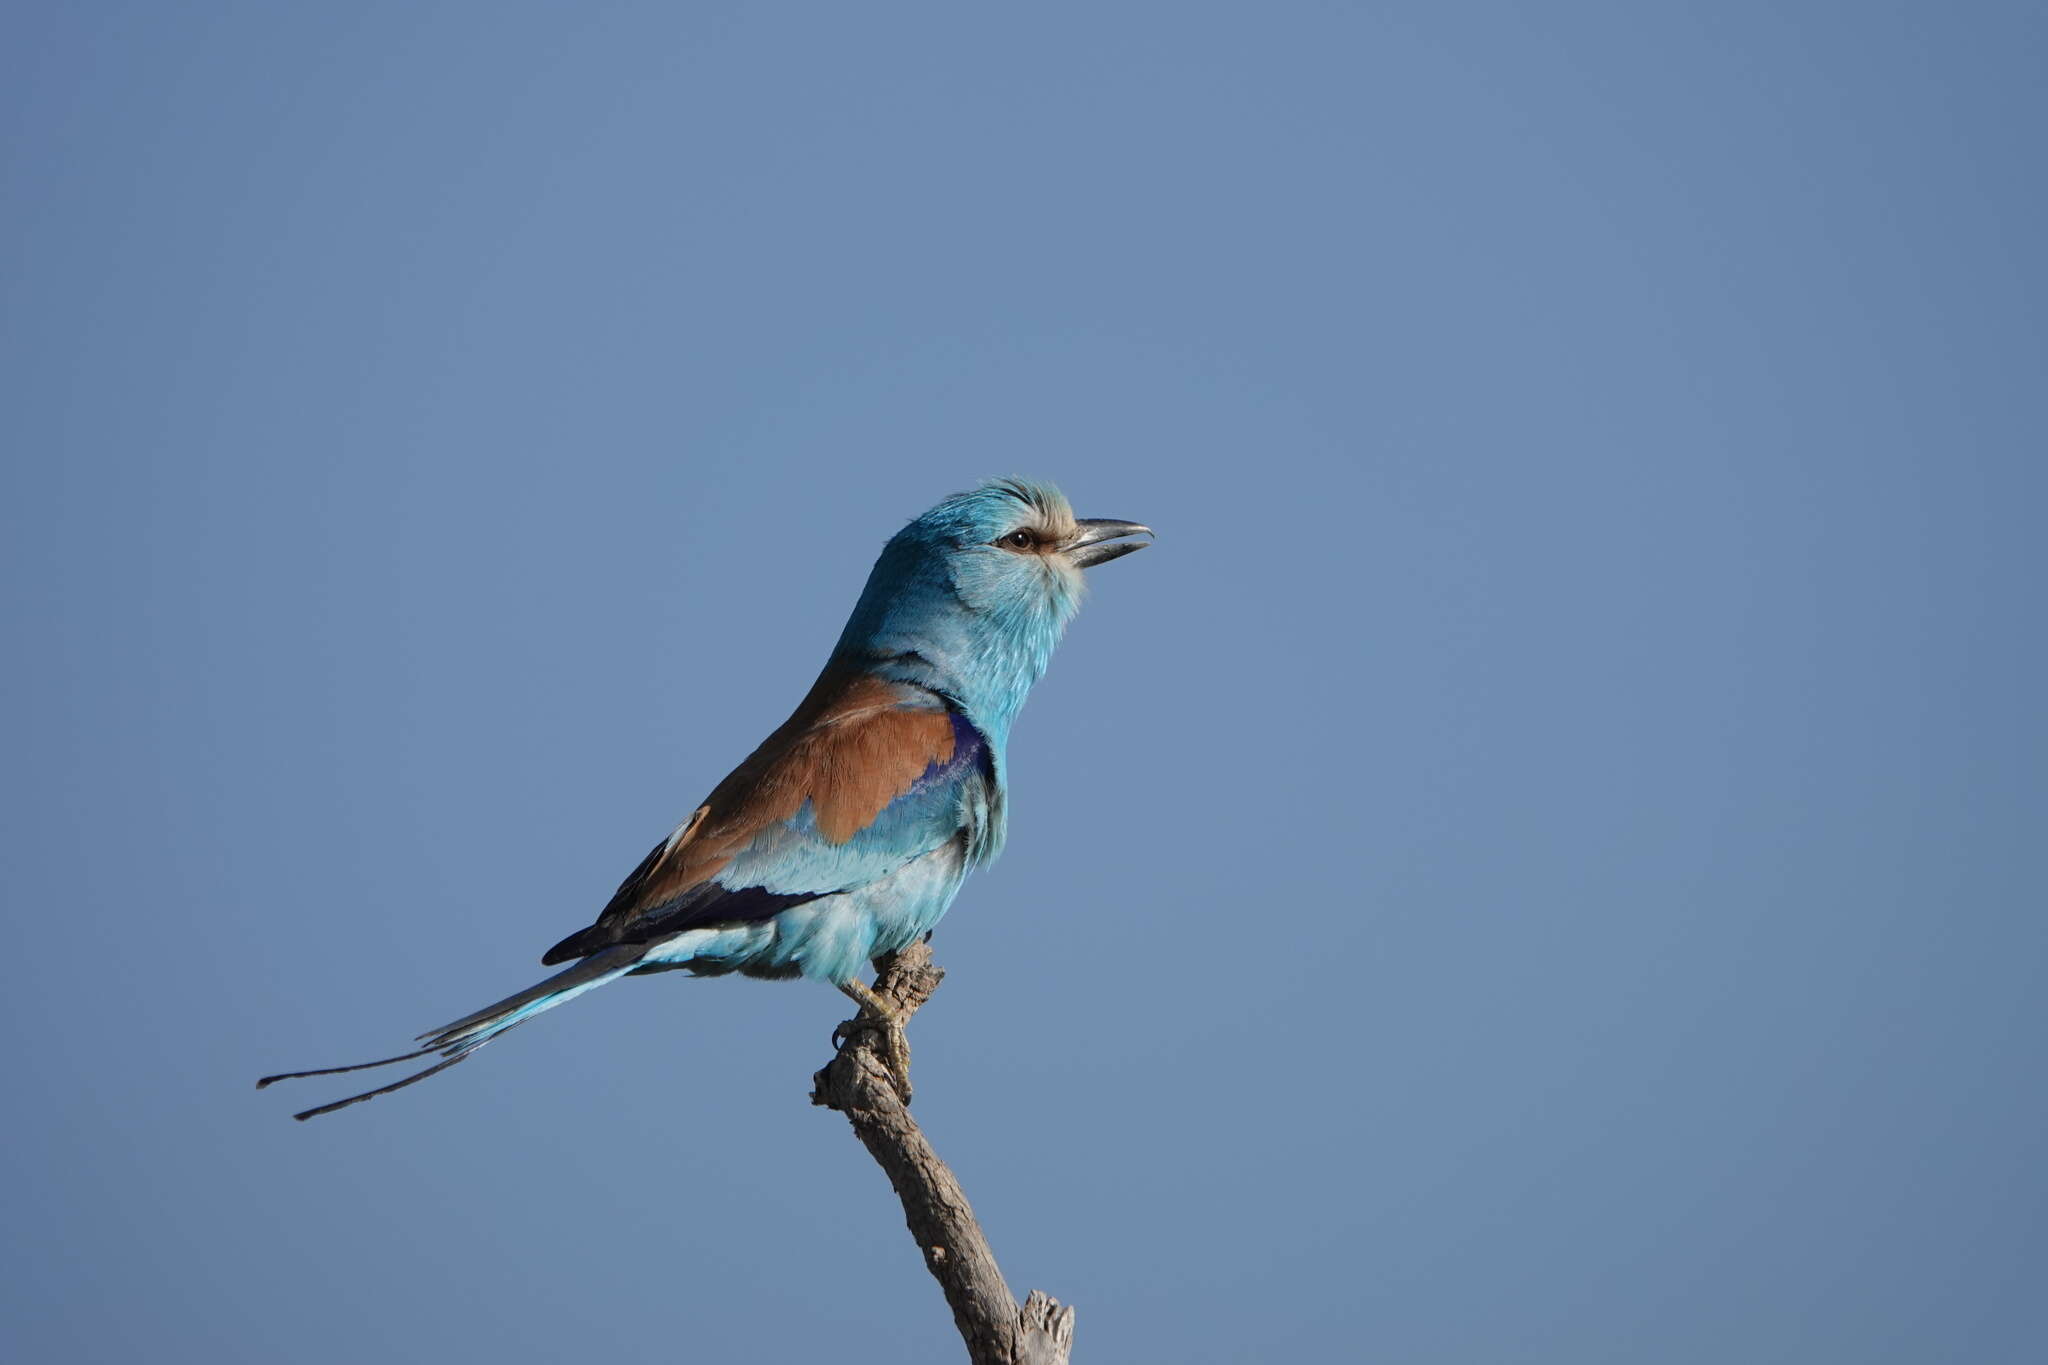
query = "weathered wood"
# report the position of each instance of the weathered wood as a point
(857, 1084)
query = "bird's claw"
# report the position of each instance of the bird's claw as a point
(895, 1046)
(877, 1013)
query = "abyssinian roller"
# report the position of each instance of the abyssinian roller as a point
(848, 832)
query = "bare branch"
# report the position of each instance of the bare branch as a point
(857, 1084)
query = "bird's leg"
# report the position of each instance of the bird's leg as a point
(877, 1013)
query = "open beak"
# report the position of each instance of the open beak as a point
(1101, 540)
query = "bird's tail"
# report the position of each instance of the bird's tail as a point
(463, 1037)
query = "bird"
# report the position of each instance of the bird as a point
(848, 832)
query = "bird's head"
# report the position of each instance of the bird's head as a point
(972, 596)
(1014, 549)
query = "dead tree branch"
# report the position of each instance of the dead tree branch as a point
(856, 1083)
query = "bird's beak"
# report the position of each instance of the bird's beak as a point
(1092, 545)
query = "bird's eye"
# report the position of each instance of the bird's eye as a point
(1019, 540)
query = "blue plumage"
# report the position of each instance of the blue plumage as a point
(849, 831)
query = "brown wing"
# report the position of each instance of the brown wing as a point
(855, 744)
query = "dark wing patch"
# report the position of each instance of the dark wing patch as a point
(703, 904)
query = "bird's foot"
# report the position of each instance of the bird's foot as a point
(877, 1014)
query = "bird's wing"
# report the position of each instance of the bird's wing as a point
(867, 775)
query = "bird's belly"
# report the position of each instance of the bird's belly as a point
(834, 937)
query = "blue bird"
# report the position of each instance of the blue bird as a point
(848, 832)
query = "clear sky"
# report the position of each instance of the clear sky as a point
(1542, 862)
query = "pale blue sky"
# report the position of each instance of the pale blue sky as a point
(1540, 863)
